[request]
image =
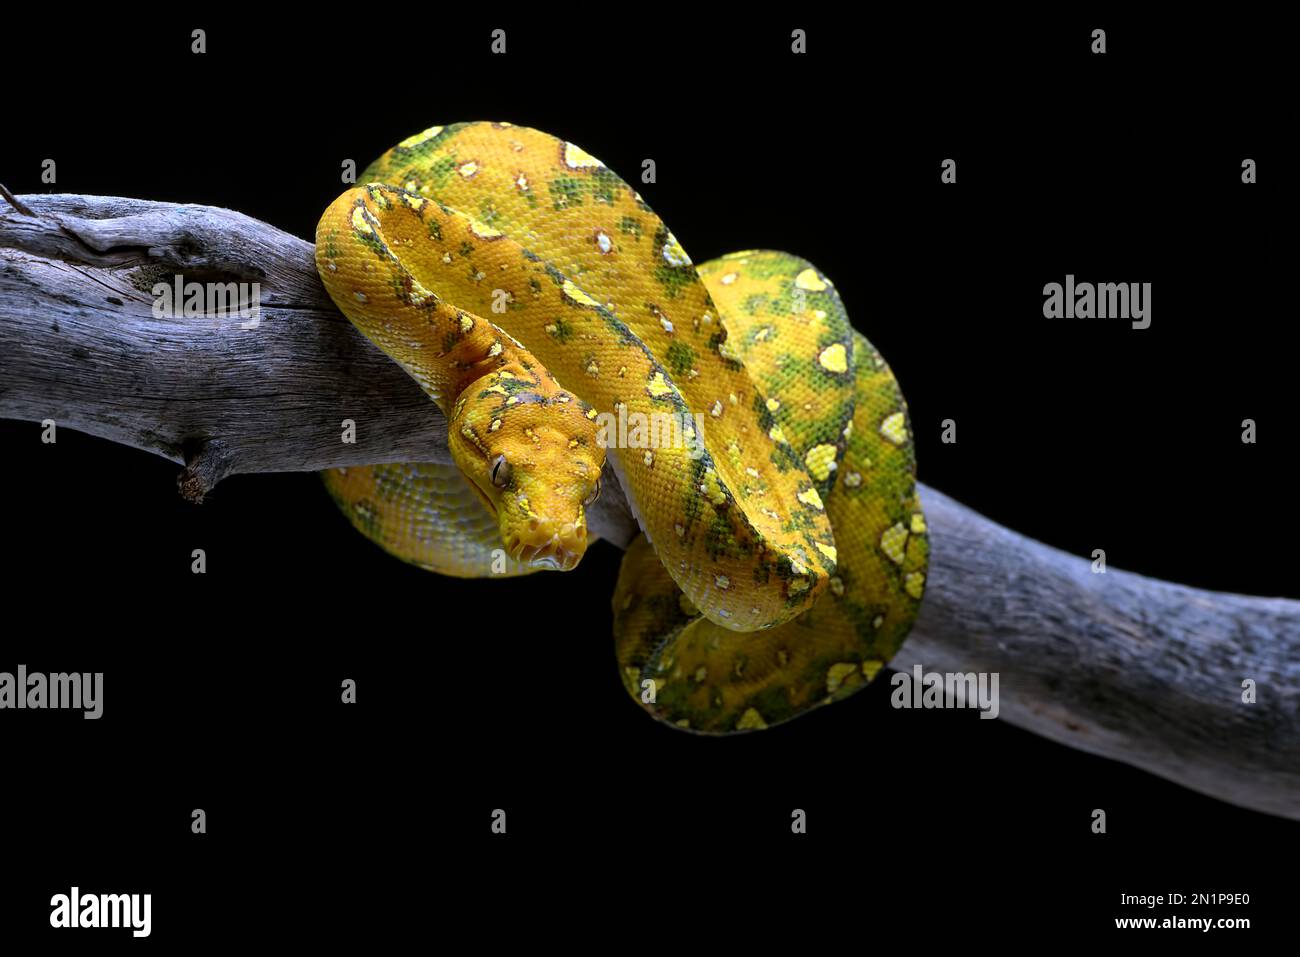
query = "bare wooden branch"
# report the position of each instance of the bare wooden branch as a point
(1138, 670)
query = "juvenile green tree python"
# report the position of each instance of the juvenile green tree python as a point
(533, 295)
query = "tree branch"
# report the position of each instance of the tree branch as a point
(1134, 669)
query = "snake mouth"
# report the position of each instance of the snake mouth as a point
(560, 552)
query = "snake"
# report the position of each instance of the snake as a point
(762, 444)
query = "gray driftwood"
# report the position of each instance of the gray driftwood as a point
(1138, 670)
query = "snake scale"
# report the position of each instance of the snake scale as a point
(536, 298)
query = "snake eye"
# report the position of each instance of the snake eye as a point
(501, 472)
(595, 494)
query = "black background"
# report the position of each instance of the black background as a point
(327, 822)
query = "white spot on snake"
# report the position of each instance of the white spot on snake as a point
(483, 230)
(894, 428)
(809, 280)
(820, 461)
(674, 255)
(419, 138)
(658, 386)
(577, 295)
(893, 543)
(834, 359)
(360, 221)
(914, 583)
(575, 157)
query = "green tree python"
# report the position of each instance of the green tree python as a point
(762, 444)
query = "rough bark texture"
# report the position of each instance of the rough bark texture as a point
(1138, 670)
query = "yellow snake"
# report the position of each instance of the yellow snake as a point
(762, 444)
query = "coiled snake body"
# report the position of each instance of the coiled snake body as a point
(763, 444)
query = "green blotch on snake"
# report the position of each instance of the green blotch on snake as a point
(488, 214)
(767, 266)
(565, 192)
(410, 154)
(434, 175)
(673, 278)
(681, 358)
(719, 542)
(772, 703)
(561, 330)
(510, 385)
(605, 185)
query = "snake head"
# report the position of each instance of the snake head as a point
(530, 450)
